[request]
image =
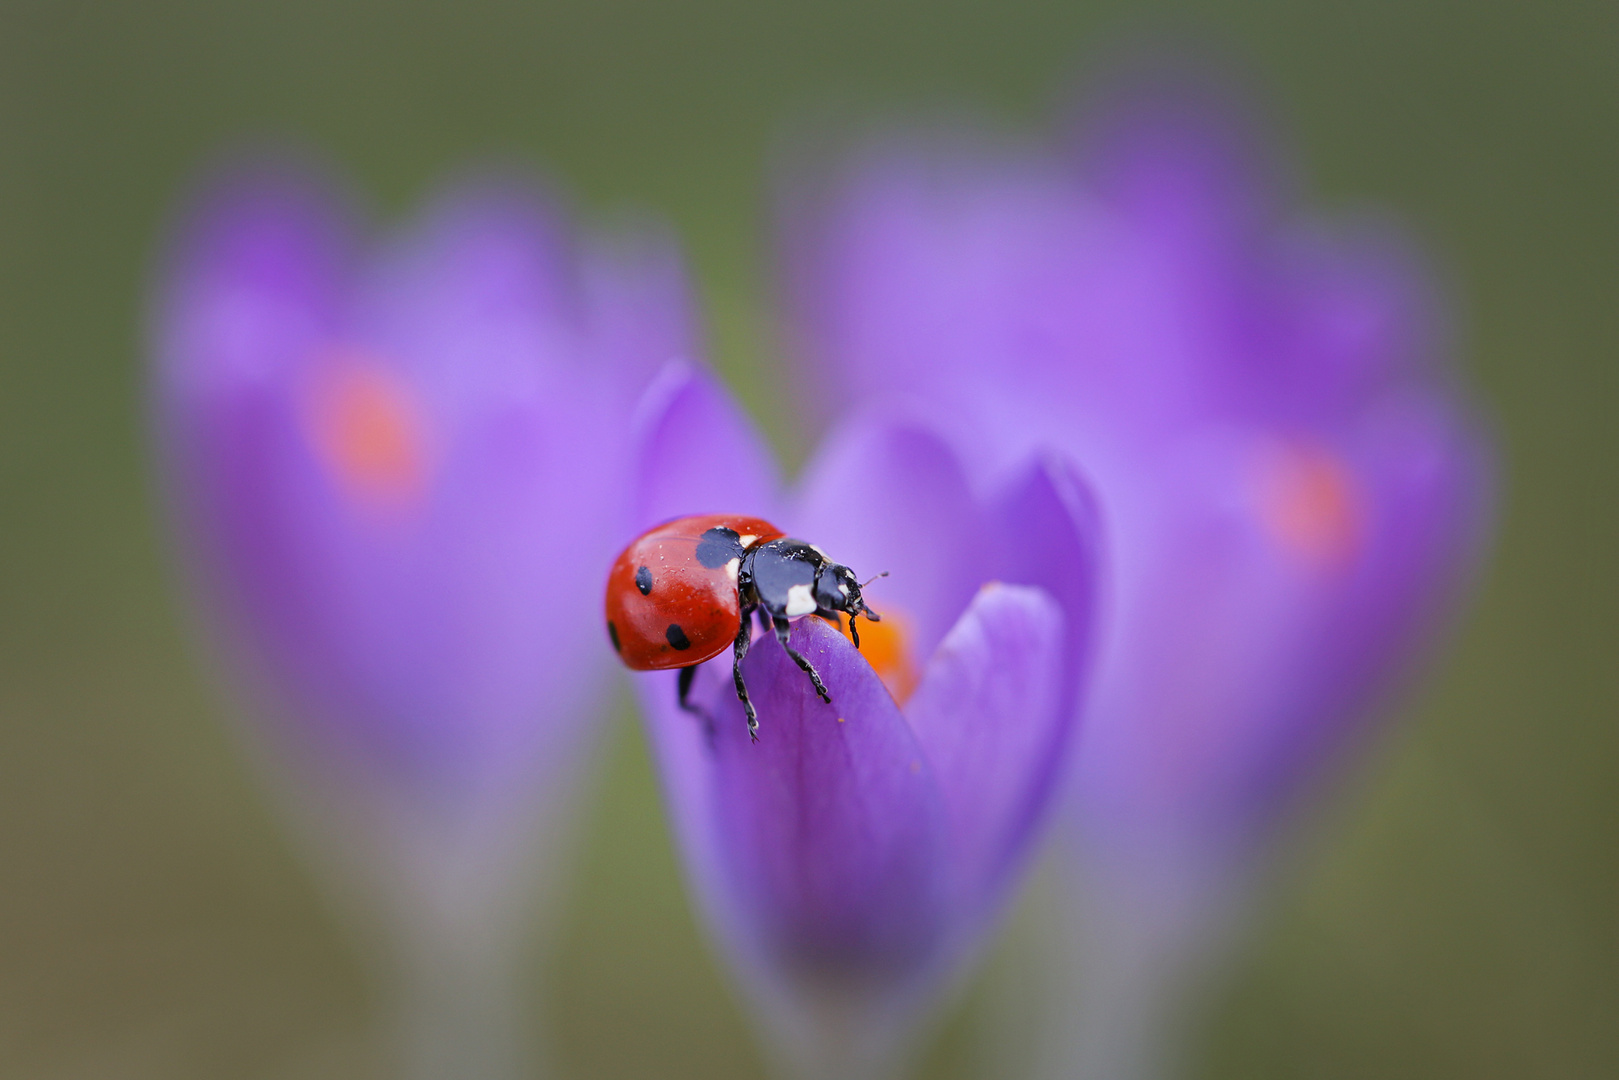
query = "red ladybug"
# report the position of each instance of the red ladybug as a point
(684, 590)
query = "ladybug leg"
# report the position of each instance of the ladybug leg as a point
(782, 628)
(744, 638)
(687, 674)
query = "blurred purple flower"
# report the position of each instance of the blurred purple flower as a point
(397, 472)
(1290, 488)
(1291, 491)
(848, 861)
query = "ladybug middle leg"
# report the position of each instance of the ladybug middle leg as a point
(783, 627)
(744, 638)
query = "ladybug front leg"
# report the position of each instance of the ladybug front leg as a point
(782, 629)
(744, 638)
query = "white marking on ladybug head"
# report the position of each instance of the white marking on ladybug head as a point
(844, 589)
(747, 540)
(732, 567)
(800, 601)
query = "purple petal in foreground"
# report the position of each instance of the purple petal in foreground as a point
(831, 825)
(991, 717)
(845, 872)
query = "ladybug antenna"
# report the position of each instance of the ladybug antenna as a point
(864, 609)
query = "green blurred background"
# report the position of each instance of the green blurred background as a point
(1457, 912)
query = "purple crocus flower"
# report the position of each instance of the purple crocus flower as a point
(396, 471)
(850, 860)
(1290, 488)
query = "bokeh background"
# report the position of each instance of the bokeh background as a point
(1451, 909)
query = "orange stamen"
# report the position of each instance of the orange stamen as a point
(1312, 504)
(884, 645)
(368, 431)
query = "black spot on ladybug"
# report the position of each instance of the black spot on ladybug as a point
(677, 637)
(612, 632)
(718, 546)
(643, 580)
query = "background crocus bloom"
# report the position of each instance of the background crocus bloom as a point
(1289, 487)
(849, 860)
(397, 473)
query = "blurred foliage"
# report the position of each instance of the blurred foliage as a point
(1451, 912)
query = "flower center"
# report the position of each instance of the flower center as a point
(1313, 505)
(368, 431)
(885, 648)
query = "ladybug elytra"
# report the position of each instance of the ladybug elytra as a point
(684, 590)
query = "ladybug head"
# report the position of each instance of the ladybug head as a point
(837, 589)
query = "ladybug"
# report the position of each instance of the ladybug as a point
(684, 590)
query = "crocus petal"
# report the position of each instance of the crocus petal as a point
(1175, 151)
(831, 823)
(1049, 534)
(1425, 478)
(257, 275)
(820, 854)
(992, 717)
(488, 272)
(1339, 317)
(639, 304)
(696, 453)
(894, 497)
(478, 308)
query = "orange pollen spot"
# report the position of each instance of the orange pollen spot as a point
(884, 645)
(1311, 501)
(369, 432)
